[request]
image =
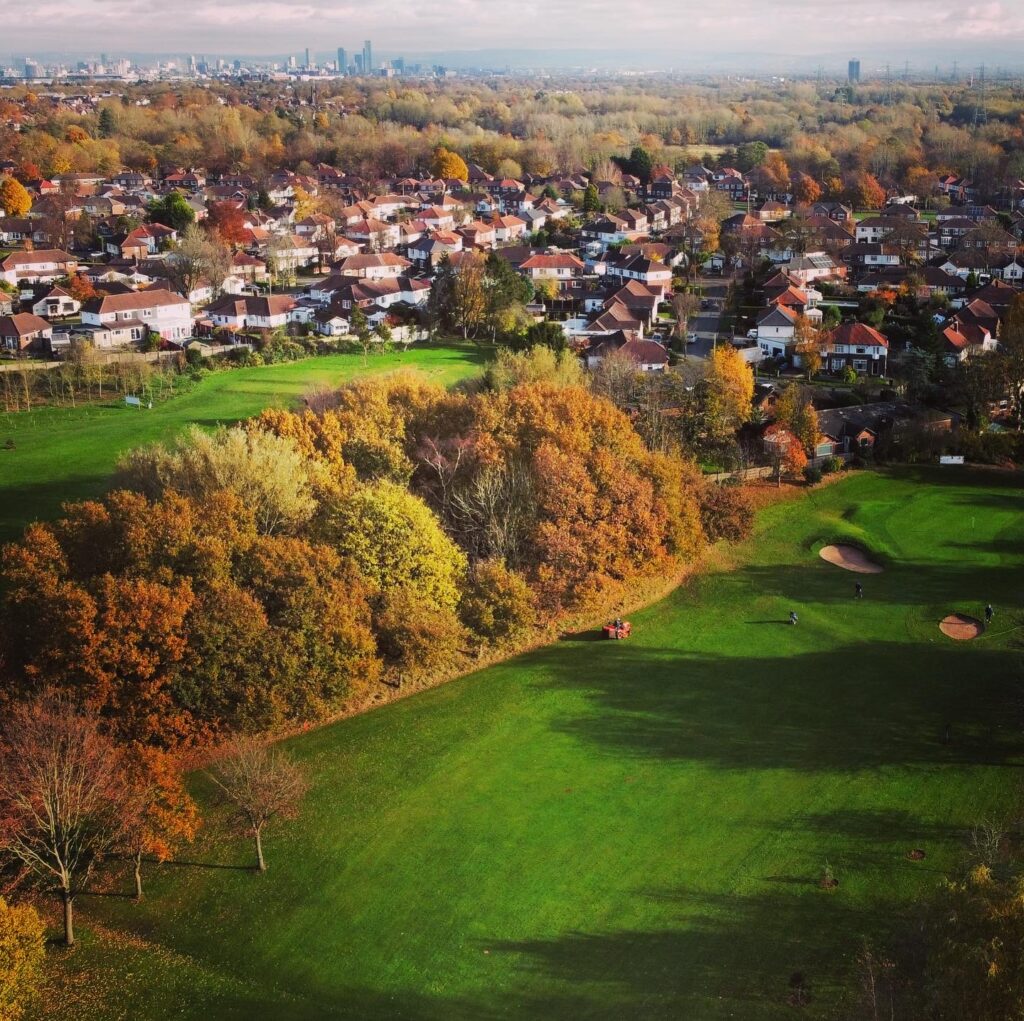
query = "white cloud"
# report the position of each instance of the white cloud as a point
(688, 28)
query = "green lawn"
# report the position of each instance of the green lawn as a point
(68, 453)
(624, 830)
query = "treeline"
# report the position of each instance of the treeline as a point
(269, 575)
(903, 135)
(86, 376)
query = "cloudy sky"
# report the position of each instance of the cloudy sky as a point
(684, 27)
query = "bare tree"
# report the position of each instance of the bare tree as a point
(262, 784)
(195, 259)
(59, 791)
(685, 305)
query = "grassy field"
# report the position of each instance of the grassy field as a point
(623, 830)
(68, 453)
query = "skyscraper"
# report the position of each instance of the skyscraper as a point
(342, 60)
(853, 71)
(308, 64)
(367, 58)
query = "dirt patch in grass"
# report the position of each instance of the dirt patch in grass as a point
(960, 627)
(850, 558)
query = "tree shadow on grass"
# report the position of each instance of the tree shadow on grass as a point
(724, 957)
(182, 863)
(850, 708)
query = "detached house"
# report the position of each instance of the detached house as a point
(860, 347)
(776, 329)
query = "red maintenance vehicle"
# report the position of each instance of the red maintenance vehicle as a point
(618, 629)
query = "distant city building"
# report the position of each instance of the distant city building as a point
(342, 60)
(853, 71)
(358, 59)
(308, 63)
(367, 57)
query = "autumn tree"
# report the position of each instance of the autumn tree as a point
(806, 190)
(261, 784)
(227, 220)
(731, 383)
(59, 793)
(396, 542)
(468, 297)
(864, 192)
(416, 637)
(448, 165)
(497, 604)
(81, 288)
(155, 810)
(809, 344)
(22, 948)
(266, 471)
(795, 412)
(14, 198)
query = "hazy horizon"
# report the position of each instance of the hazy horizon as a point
(926, 31)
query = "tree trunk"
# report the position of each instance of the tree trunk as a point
(69, 921)
(260, 863)
(138, 876)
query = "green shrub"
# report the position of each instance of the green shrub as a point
(812, 474)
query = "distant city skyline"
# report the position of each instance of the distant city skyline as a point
(705, 31)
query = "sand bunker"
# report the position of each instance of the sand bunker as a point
(961, 627)
(849, 558)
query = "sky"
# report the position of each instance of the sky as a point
(685, 30)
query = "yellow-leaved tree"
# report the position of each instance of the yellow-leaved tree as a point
(449, 165)
(14, 199)
(21, 957)
(731, 385)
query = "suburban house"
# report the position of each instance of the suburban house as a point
(374, 265)
(508, 228)
(647, 355)
(776, 329)
(637, 267)
(41, 266)
(241, 312)
(860, 347)
(56, 305)
(562, 267)
(142, 242)
(25, 332)
(126, 319)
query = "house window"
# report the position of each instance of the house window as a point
(860, 364)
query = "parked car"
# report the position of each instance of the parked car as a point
(691, 338)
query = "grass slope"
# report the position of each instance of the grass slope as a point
(68, 453)
(608, 830)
